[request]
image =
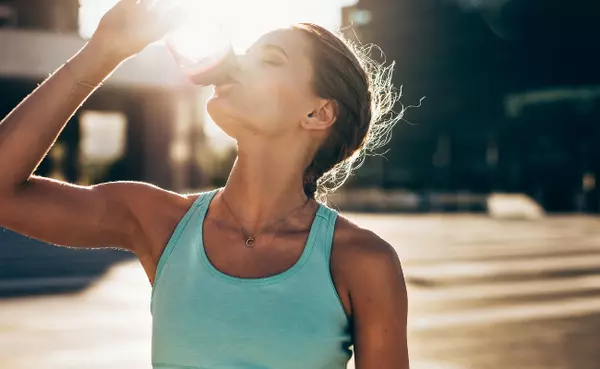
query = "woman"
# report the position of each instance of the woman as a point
(258, 274)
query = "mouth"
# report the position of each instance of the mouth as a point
(225, 84)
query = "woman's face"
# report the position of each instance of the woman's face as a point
(273, 90)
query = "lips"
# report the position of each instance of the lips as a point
(224, 87)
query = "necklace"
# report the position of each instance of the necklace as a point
(250, 240)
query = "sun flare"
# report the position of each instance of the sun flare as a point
(243, 20)
(213, 23)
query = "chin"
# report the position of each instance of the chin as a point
(221, 115)
(236, 121)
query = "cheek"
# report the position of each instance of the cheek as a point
(282, 104)
(265, 104)
(244, 110)
(263, 101)
(262, 104)
(221, 113)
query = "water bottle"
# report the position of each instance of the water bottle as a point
(203, 50)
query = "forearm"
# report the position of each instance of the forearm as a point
(30, 130)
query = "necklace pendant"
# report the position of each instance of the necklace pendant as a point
(250, 242)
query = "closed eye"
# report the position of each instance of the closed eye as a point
(271, 54)
(272, 61)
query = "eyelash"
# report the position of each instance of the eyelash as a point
(271, 62)
(266, 60)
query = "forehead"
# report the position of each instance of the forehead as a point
(294, 42)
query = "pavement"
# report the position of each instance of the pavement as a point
(483, 294)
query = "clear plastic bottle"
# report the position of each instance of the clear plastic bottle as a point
(203, 49)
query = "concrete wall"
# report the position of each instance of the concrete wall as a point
(34, 55)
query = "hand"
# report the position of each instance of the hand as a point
(131, 25)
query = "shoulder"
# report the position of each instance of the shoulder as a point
(143, 199)
(368, 265)
(364, 250)
(379, 303)
(152, 209)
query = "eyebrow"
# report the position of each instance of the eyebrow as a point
(272, 47)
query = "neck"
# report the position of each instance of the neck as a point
(264, 186)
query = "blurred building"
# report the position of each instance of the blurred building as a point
(511, 97)
(59, 16)
(144, 124)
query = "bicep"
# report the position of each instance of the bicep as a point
(70, 215)
(380, 306)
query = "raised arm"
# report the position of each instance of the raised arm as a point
(58, 212)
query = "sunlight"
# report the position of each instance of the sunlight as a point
(187, 38)
(243, 22)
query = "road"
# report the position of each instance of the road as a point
(483, 293)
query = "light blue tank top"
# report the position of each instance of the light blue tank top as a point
(204, 318)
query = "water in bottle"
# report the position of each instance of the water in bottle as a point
(202, 48)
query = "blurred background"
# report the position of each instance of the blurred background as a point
(489, 191)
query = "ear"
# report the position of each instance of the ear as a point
(322, 117)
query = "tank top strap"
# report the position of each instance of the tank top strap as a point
(180, 228)
(204, 201)
(196, 210)
(326, 239)
(320, 237)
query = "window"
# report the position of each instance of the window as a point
(103, 136)
(8, 16)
